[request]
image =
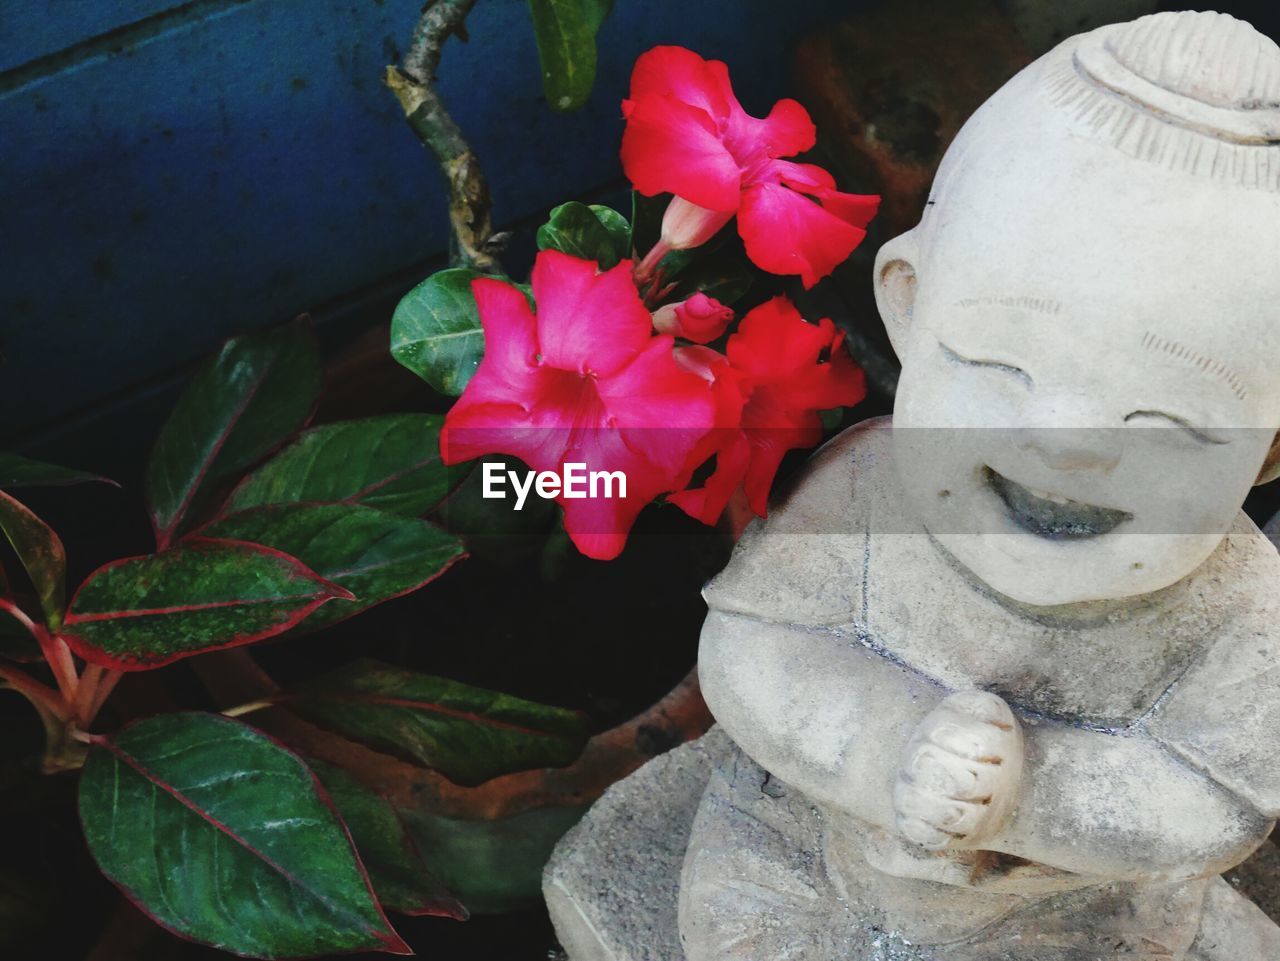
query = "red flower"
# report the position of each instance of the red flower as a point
(780, 371)
(582, 381)
(687, 134)
(700, 319)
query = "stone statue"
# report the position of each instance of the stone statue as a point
(1000, 679)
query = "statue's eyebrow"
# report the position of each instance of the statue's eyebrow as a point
(1039, 305)
(1181, 351)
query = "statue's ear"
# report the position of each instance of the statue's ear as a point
(896, 287)
(1271, 466)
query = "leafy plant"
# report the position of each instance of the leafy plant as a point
(377, 788)
(265, 528)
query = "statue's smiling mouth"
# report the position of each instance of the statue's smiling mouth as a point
(1050, 515)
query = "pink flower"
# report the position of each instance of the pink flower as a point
(700, 319)
(779, 373)
(687, 134)
(584, 381)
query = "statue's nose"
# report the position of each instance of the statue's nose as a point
(1073, 448)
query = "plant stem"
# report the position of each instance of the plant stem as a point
(645, 269)
(58, 655)
(108, 684)
(87, 691)
(249, 708)
(413, 83)
(19, 615)
(45, 699)
(53, 648)
(96, 684)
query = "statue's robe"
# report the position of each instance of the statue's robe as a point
(839, 586)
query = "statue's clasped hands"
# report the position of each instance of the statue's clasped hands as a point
(960, 774)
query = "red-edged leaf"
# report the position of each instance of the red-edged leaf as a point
(400, 877)
(248, 400)
(391, 462)
(143, 612)
(41, 553)
(224, 836)
(467, 733)
(374, 555)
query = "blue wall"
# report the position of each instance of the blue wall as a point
(176, 173)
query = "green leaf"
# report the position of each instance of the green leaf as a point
(391, 463)
(617, 226)
(467, 733)
(225, 837)
(831, 418)
(252, 396)
(566, 34)
(41, 553)
(19, 471)
(401, 880)
(596, 11)
(580, 231)
(143, 612)
(374, 555)
(435, 330)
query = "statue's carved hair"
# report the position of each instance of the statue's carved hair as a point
(1195, 92)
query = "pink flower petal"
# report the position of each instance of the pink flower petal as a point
(588, 322)
(787, 130)
(855, 209)
(769, 445)
(672, 147)
(787, 233)
(473, 430)
(511, 339)
(683, 75)
(661, 410)
(774, 342)
(599, 525)
(804, 365)
(806, 177)
(707, 503)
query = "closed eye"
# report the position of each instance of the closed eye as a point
(955, 358)
(1203, 436)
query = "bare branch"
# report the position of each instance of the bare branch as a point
(413, 83)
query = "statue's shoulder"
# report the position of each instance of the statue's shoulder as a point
(804, 564)
(1223, 715)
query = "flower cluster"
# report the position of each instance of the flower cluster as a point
(687, 135)
(613, 369)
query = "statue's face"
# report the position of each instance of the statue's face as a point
(1088, 387)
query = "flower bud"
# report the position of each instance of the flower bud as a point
(686, 225)
(700, 319)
